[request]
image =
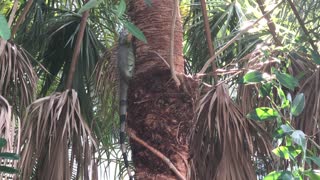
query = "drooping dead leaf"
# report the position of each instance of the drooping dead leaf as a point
(223, 142)
(56, 141)
(10, 131)
(18, 80)
(107, 82)
(309, 120)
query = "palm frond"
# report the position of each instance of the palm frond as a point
(309, 120)
(18, 80)
(56, 139)
(224, 141)
(7, 125)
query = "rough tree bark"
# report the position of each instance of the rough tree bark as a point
(159, 112)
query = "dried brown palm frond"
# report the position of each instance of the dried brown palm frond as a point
(107, 84)
(8, 131)
(18, 80)
(56, 141)
(7, 125)
(309, 120)
(223, 141)
(301, 67)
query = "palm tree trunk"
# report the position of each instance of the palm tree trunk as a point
(159, 112)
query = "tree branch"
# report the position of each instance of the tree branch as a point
(157, 153)
(171, 56)
(76, 51)
(209, 38)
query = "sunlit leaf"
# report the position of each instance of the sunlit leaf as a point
(7, 155)
(286, 80)
(312, 174)
(4, 29)
(299, 138)
(277, 175)
(252, 77)
(315, 159)
(282, 131)
(135, 31)
(286, 152)
(89, 5)
(298, 104)
(284, 101)
(262, 114)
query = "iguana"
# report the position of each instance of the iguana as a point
(125, 67)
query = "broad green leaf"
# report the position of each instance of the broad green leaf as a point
(315, 57)
(282, 131)
(148, 2)
(263, 114)
(298, 104)
(265, 89)
(299, 138)
(8, 170)
(279, 175)
(284, 101)
(89, 5)
(286, 80)
(135, 31)
(315, 159)
(286, 152)
(312, 174)
(4, 28)
(3, 142)
(12, 156)
(252, 77)
(286, 128)
(121, 8)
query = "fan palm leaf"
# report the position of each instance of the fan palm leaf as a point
(223, 141)
(18, 80)
(55, 138)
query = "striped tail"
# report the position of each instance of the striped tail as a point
(123, 117)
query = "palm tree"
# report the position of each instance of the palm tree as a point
(185, 120)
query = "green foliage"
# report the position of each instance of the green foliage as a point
(4, 29)
(252, 77)
(135, 31)
(263, 114)
(293, 142)
(315, 57)
(90, 4)
(279, 175)
(9, 156)
(298, 104)
(286, 80)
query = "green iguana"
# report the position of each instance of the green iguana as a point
(125, 66)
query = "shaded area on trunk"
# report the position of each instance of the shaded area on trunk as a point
(161, 115)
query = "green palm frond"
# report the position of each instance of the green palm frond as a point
(225, 20)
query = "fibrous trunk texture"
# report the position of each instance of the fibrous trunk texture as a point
(159, 112)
